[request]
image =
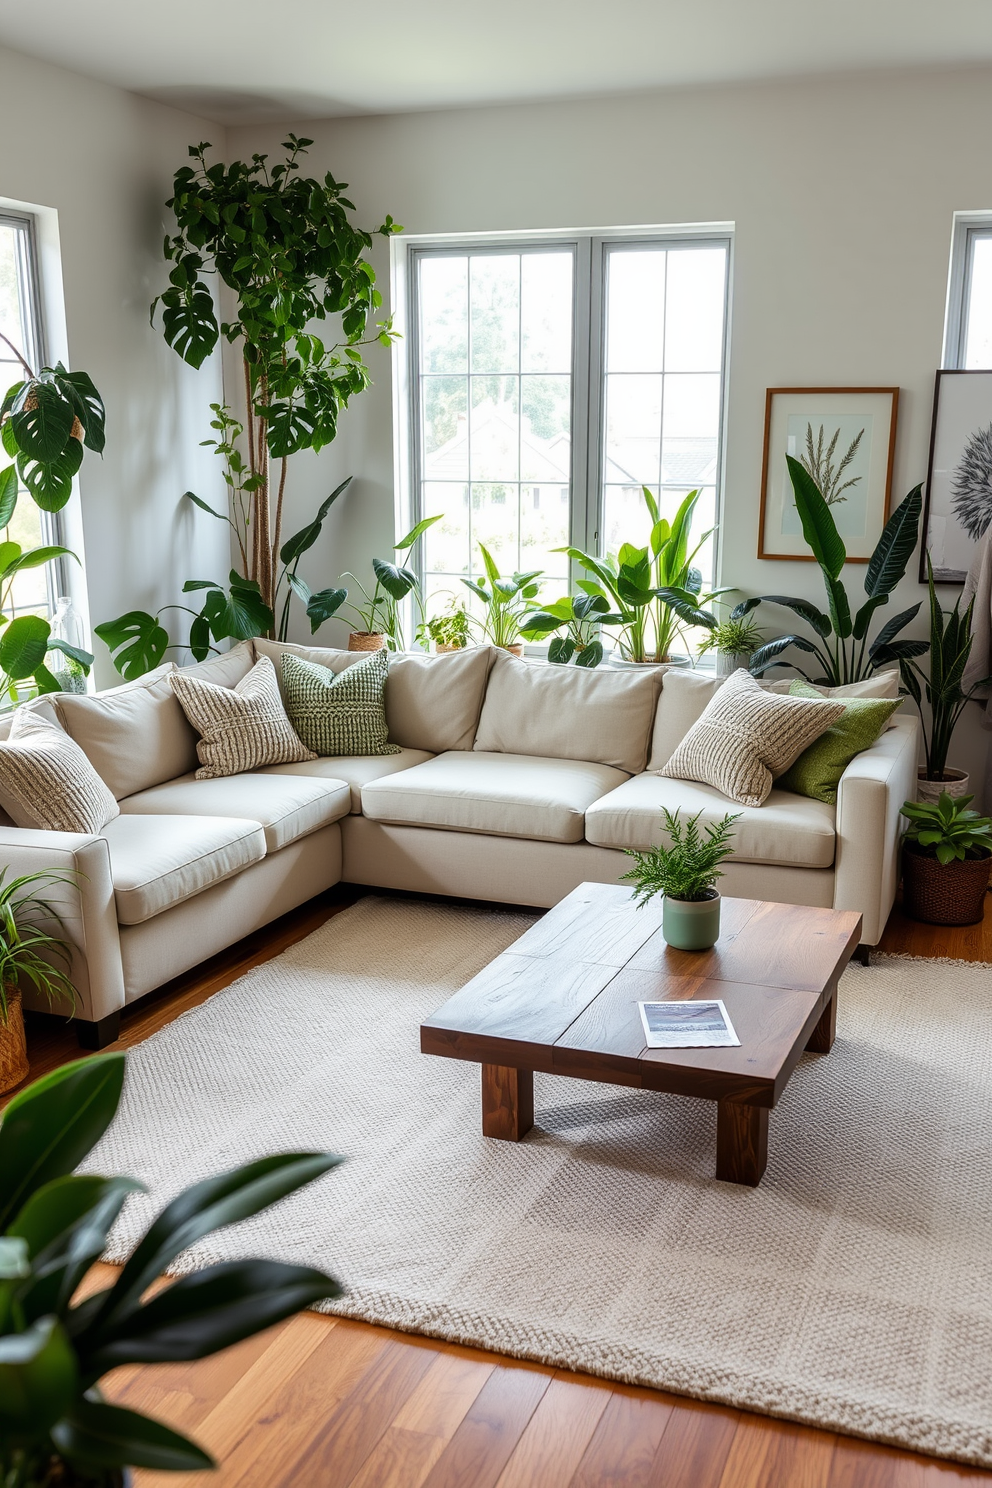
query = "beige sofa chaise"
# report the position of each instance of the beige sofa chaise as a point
(512, 783)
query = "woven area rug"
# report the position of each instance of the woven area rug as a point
(852, 1290)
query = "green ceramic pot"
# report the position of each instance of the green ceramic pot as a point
(691, 924)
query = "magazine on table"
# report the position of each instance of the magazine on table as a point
(687, 1025)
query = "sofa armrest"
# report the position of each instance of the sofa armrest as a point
(869, 808)
(87, 908)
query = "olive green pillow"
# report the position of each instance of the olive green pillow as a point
(337, 713)
(817, 771)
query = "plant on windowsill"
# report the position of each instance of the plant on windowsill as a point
(652, 593)
(449, 631)
(507, 602)
(734, 640)
(30, 956)
(842, 646)
(378, 613)
(686, 874)
(56, 1428)
(950, 650)
(579, 617)
(946, 860)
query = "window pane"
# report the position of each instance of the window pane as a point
(694, 310)
(546, 312)
(978, 333)
(633, 428)
(495, 523)
(495, 313)
(445, 434)
(494, 425)
(444, 315)
(446, 544)
(545, 443)
(636, 317)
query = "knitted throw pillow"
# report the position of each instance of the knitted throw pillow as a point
(746, 737)
(240, 727)
(338, 712)
(817, 771)
(47, 782)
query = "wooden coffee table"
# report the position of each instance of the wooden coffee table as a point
(563, 1000)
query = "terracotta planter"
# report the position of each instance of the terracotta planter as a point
(443, 647)
(517, 649)
(365, 640)
(955, 783)
(691, 924)
(13, 1047)
(944, 893)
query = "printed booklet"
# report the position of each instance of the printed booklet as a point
(687, 1025)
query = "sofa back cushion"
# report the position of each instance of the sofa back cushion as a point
(432, 702)
(134, 736)
(225, 670)
(46, 781)
(558, 712)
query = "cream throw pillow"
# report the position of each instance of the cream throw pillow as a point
(240, 727)
(47, 782)
(746, 737)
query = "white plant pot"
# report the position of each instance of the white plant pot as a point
(956, 783)
(728, 662)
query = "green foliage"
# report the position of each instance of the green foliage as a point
(579, 617)
(378, 612)
(30, 954)
(948, 830)
(25, 640)
(507, 601)
(690, 867)
(651, 593)
(735, 636)
(47, 419)
(950, 648)
(138, 641)
(842, 647)
(55, 1225)
(447, 629)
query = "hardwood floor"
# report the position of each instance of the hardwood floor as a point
(338, 1404)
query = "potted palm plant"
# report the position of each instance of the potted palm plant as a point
(686, 873)
(30, 956)
(946, 860)
(56, 1428)
(507, 601)
(651, 593)
(950, 649)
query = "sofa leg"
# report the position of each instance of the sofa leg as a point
(863, 955)
(99, 1033)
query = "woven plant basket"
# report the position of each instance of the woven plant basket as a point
(443, 647)
(365, 640)
(944, 893)
(13, 1047)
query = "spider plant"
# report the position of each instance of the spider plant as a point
(507, 601)
(30, 955)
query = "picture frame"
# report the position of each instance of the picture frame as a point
(846, 438)
(958, 503)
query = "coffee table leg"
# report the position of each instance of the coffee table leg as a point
(741, 1142)
(821, 1040)
(507, 1102)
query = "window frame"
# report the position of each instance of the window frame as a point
(590, 249)
(967, 228)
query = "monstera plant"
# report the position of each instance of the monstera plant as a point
(841, 643)
(56, 1428)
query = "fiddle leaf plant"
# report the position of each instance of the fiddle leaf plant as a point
(842, 646)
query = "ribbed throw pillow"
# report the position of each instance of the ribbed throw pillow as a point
(817, 771)
(746, 737)
(240, 727)
(338, 712)
(47, 782)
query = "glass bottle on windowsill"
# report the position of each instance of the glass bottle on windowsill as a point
(67, 626)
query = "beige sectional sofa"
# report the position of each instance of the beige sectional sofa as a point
(512, 782)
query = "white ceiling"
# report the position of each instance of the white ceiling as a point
(243, 60)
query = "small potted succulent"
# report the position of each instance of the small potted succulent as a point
(733, 640)
(448, 631)
(686, 873)
(946, 861)
(30, 956)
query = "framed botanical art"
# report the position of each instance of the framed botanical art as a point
(846, 439)
(959, 478)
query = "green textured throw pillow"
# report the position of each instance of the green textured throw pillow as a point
(817, 771)
(338, 712)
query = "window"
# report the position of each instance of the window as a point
(551, 379)
(968, 332)
(34, 590)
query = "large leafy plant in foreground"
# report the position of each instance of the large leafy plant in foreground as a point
(842, 646)
(55, 1426)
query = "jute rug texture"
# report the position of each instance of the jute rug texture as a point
(852, 1290)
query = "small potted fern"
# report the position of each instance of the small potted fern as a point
(30, 956)
(686, 874)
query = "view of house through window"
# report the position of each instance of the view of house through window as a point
(552, 381)
(20, 323)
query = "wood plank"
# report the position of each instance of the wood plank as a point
(599, 923)
(556, 1437)
(766, 1453)
(694, 1449)
(483, 1443)
(860, 1464)
(516, 999)
(625, 1444)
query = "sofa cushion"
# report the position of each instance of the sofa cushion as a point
(158, 861)
(563, 712)
(338, 712)
(683, 701)
(47, 782)
(240, 727)
(817, 771)
(747, 737)
(787, 829)
(134, 736)
(432, 702)
(286, 808)
(507, 795)
(225, 670)
(356, 769)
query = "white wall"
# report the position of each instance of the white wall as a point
(842, 191)
(103, 160)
